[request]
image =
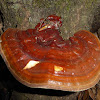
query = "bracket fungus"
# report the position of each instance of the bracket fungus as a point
(40, 58)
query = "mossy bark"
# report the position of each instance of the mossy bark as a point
(76, 15)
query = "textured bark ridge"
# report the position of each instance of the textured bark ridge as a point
(76, 15)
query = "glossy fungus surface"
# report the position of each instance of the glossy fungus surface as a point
(40, 58)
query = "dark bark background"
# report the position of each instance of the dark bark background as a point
(23, 14)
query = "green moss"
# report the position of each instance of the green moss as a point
(15, 6)
(19, 18)
(12, 1)
(50, 3)
(88, 3)
(40, 3)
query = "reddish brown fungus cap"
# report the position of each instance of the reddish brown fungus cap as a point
(45, 60)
